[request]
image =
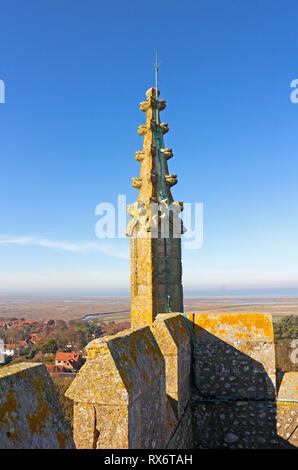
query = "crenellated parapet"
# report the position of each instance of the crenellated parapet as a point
(195, 381)
(236, 403)
(190, 381)
(133, 391)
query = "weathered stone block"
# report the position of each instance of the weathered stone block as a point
(234, 355)
(124, 380)
(289, 386)
(236, 425)
(287, 408)
(84, 425)
(182, 437)
(31, 416)
(161, 301)
(172, 336)
(287, 421)
(173, 246)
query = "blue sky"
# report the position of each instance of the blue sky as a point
(75, 73)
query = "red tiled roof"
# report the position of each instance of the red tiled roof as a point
(65, 356)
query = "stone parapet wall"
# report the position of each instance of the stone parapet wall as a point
(287, 408)
(121, 390)
(31, 416)
(206, 381)
(182, 438)
(201, 381)
(234, 400)
(234, 355)
(171, 333)
(133, 391)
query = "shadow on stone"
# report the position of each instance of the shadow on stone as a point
(233, 398)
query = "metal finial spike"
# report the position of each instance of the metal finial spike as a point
(156, 67)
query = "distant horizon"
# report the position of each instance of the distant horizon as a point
(249, 293)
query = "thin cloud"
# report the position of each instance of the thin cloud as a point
(77, 247)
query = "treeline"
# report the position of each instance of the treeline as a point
(286, 328)
(77, 334)
(65, 332)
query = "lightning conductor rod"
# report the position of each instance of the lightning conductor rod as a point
(156, 89)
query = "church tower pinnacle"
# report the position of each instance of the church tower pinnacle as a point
(155, 227)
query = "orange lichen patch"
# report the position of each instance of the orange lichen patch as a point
(8, 412)
(238, 347)
(252, 326)
(9, 406)
(38, 384)
(61, 439)
(289, 386)
(37, 421)
(29, 407)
